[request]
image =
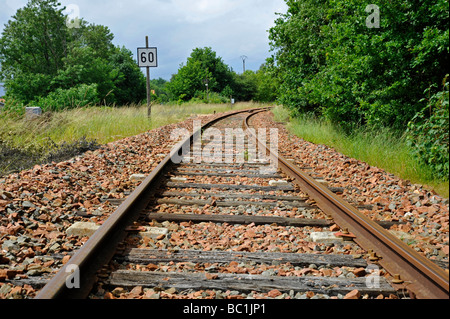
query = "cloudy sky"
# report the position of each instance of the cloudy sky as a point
(232, 28)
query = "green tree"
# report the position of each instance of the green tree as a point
(330, 62)
(129, 82)
(267, 85)
(298, 45)
(202, 67)
(190, 79)
(428, 134)
(32, 47)
(97, 37)
(83, 67)
(245, 86)
(40, 56)
(160, 87)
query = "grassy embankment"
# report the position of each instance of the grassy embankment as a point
(56, 136)
(382, 149)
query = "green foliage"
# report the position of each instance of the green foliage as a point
(245, 86)
(129, 82)
(267, 85)
(227, 91)
(329, 62)
(44, 61)
(33, 41)
(41, 56)
(208, 98)
(83, 67)
(428, 136)
(24, 87)
(161, 93)
(205, 67)
(79, 96)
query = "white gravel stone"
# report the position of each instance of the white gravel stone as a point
(278, 183)
(154, 232)
(325, 237)
(82, 229)
(137, 177)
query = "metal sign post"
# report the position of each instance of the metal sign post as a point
(149, 97)
(148, 58)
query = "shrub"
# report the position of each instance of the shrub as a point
(429, 136)
(78, 96)
(211, 97)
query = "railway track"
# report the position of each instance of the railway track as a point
(239, 226)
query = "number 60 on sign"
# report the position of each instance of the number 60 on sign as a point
(147, 57)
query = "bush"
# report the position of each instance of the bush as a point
(78, 96)
(429, 136)
(211, 97)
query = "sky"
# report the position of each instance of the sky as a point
(232, 28)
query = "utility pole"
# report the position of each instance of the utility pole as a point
(244, 57)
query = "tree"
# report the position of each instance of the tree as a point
(245, 86)
(298, 45)
(331, 63)
(83, 67)
(190, 79)
(267, 85)
(203, 70)
(41, 57)
(97, 37)
(160, 87)
(32, 48)
(129, 83)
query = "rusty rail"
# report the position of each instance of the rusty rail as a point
(421, 276)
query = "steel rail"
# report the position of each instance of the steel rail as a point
(101, 246)
(421, 276)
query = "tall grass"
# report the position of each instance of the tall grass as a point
(103, 124)
(385, 148)
(58, 136)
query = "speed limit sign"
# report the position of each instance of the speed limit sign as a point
(148, 57)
